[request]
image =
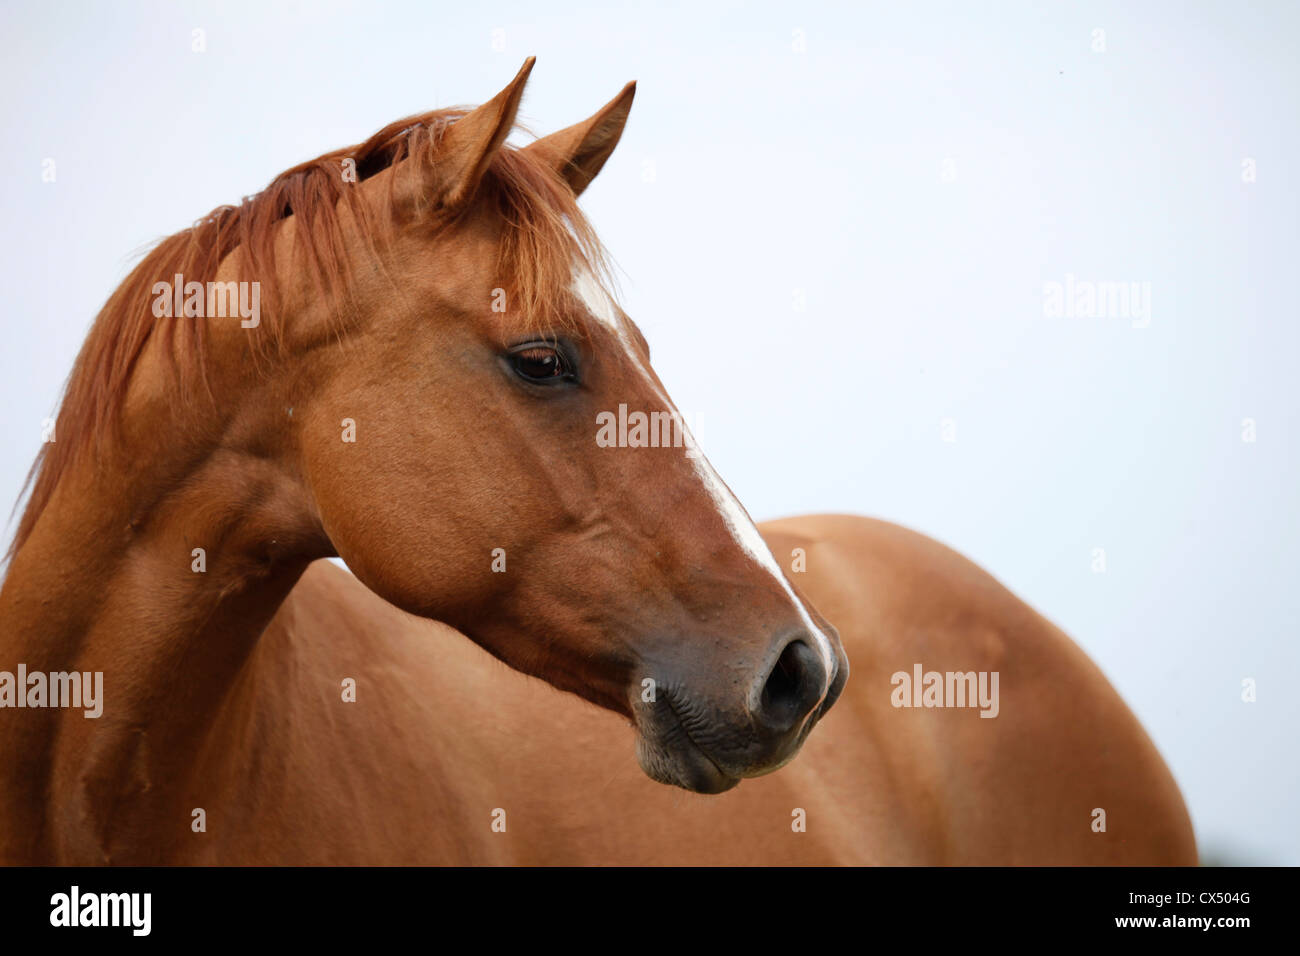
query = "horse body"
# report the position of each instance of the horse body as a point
(443, 741)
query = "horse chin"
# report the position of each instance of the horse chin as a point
(684, 766)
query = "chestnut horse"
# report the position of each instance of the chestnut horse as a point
(423, 345)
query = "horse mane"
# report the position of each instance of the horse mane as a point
(546, 235)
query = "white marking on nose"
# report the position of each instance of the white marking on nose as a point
(746, 534)
(743, 530)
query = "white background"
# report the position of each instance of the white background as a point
(781, 175)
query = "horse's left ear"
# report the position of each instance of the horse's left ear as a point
(578, 152)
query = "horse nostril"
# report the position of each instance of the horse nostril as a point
(793, 686)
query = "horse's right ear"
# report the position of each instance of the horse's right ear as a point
(467, 147)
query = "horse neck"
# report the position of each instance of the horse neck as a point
(109, 581)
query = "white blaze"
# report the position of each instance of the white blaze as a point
(741, 526)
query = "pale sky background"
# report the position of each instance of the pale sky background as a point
(912, 174)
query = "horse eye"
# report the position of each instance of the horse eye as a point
(541, 364)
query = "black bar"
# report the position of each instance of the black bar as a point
(298, 904)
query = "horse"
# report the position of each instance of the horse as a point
(424, 345)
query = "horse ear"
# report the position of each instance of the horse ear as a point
(467, 147)
(578, 152)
